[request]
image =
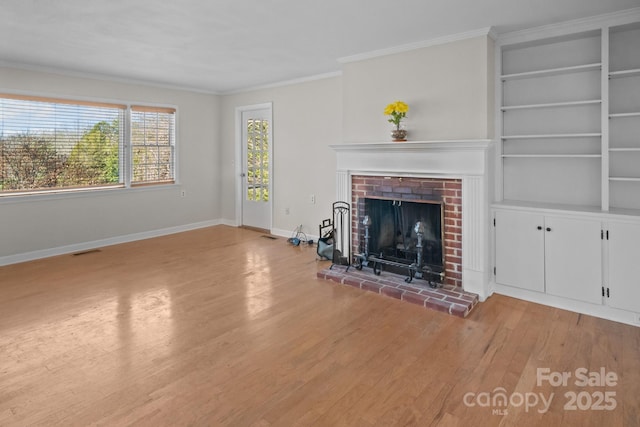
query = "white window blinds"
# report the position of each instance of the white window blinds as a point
(48, 143)
(152, 144)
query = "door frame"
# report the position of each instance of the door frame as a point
(239, 162)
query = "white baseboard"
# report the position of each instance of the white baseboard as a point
(290, 233)
(229, 222)
(77, 247)
(596, 310)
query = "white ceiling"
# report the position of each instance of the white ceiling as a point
(227, 45)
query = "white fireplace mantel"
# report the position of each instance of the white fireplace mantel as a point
(446, 145)
(468, 160)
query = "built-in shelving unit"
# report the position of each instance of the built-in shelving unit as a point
(570, 156)
(567, 216)
(552, 71)
(551, 106)
(624, 116)
(619, 115)
(625, 149)
(625, 73)
(570, 118)
(619, 178)
(553, 136)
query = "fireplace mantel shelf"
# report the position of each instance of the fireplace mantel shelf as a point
(444, 145)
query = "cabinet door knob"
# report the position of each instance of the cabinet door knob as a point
(539, 227)
(548, 228)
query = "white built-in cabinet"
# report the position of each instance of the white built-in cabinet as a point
(573, 251)
(567, 210)
(519, 250)
(552, 254)
(623, 281)
(585, 258)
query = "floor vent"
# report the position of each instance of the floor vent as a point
(90, 251)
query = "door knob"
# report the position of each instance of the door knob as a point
(242, 174)
(548, 228)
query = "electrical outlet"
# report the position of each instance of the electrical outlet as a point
(286, 211)
(183, 193)
(312, 199)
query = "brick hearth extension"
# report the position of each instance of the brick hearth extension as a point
(448, 299)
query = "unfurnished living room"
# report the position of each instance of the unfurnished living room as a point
(330, 213)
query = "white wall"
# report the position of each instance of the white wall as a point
(449, 89)
(29, 224)
(307, 118)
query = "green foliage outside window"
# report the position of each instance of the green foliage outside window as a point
(30, 162)
(258, 160)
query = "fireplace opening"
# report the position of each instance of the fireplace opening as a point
(404, 236)
(445, 194)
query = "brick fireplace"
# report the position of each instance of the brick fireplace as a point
(456, 172)
(411, 189)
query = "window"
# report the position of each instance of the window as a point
(153, 144)
(49, 145)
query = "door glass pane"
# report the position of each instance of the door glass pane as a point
(257, 160)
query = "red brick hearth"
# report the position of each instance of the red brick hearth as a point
(448, 299)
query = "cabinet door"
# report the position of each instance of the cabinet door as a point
(573, 258)
(520, 250)
(624, 266)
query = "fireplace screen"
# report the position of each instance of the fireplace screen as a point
(403, 237)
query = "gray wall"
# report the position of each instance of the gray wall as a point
(448, 87)
(29, 224)
(307, 118)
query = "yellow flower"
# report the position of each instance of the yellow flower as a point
(401, 107)
(397, 107)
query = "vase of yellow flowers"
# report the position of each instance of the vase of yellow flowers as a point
(397, 111)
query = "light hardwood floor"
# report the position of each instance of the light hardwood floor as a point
(222, 326)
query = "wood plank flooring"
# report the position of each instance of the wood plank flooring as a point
(222, 327)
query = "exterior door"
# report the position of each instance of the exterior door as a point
(256, 168)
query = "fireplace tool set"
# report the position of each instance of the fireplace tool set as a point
(335, 240)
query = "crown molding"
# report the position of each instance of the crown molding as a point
(103, 77)
(569, 27)
(487, 31)
(285, 83)
(493, 34)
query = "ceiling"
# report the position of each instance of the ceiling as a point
(221, 46)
